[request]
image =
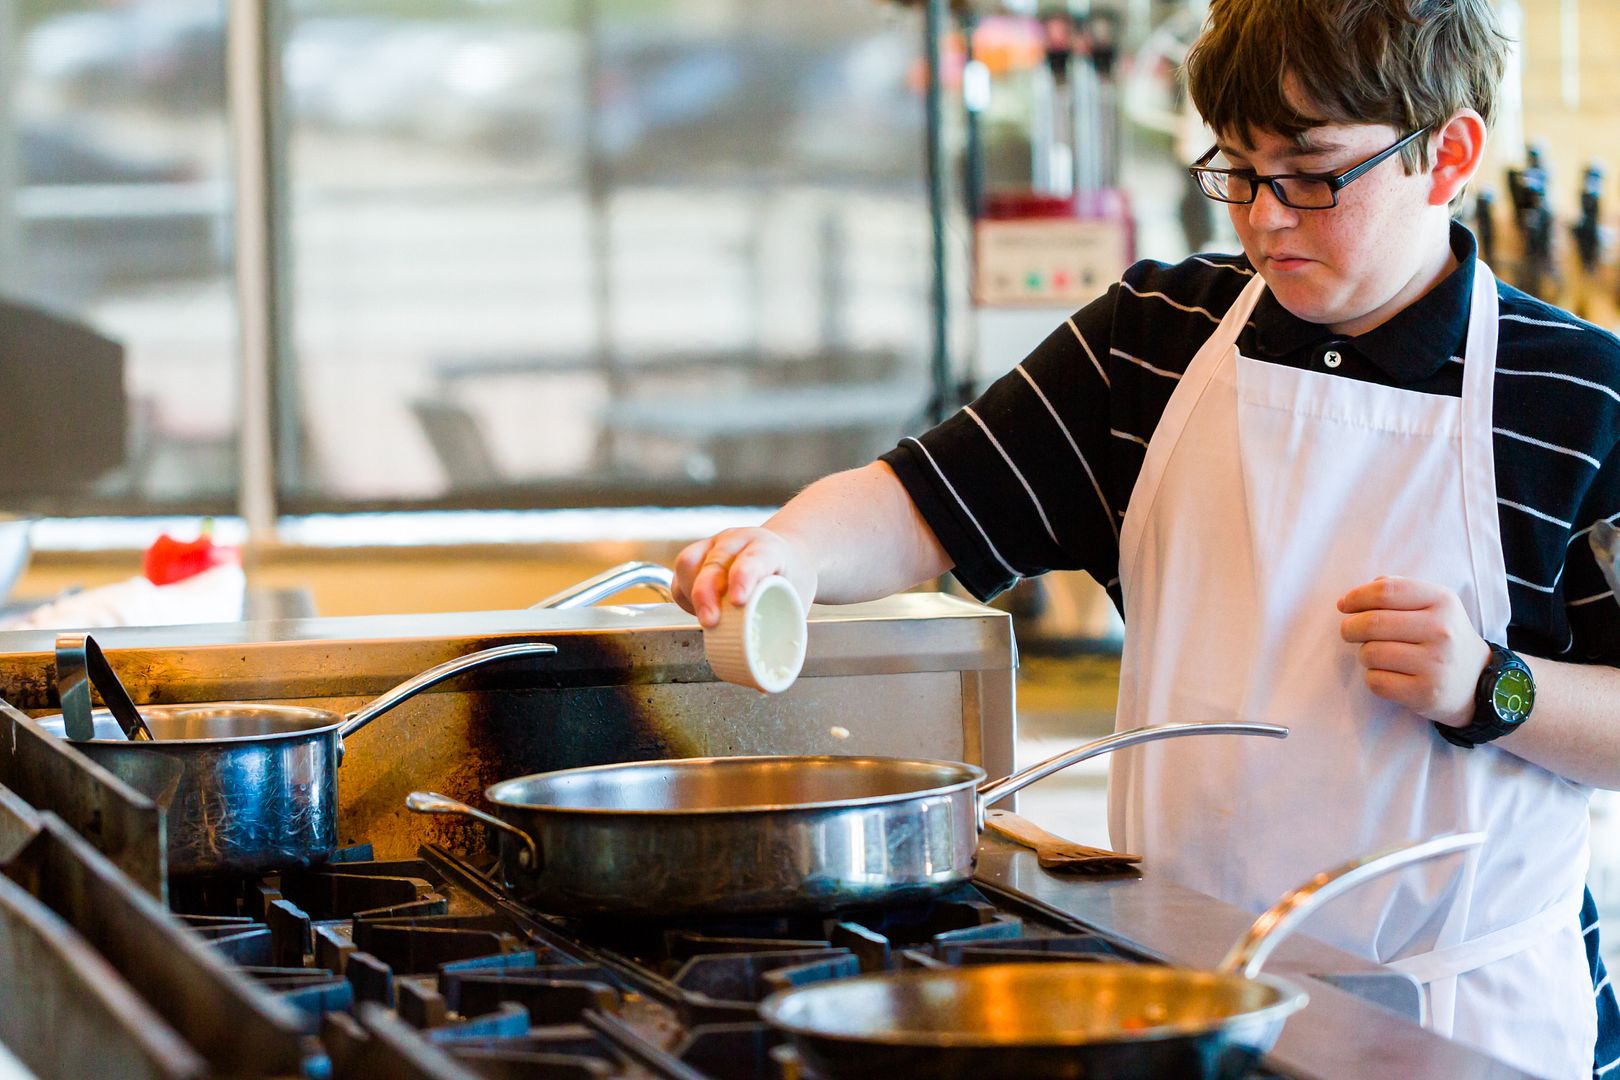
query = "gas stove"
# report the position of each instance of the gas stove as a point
(431, 955)
(426, 969)
(411, 960)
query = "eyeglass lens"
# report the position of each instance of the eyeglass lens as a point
(1299, 192)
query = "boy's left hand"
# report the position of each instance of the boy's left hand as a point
(1418, 647)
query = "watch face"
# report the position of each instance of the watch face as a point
(1515, 692)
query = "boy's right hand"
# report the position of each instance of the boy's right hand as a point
(727, 567)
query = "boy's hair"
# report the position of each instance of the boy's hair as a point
(1407, 63)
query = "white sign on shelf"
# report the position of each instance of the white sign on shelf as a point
(1047, 262)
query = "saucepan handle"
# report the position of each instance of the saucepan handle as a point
(995, 790)
(610, 582)
(1283, 918)
(431, 802)
(435, 675)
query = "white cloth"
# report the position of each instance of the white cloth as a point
(213, 595)
(1267, 492)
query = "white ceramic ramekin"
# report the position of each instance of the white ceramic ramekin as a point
(762, 643)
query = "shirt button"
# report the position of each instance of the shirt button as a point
(1332, 359)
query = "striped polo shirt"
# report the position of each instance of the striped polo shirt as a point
(1037, 473)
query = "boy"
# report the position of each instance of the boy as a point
(1339, 483)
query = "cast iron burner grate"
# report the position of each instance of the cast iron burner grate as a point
(412, 968)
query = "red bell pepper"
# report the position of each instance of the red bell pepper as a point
(169, 560)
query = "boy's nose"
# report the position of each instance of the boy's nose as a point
(1268, 213)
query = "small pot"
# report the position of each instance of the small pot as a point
(249, 788)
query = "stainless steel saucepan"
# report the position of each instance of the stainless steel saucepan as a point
(252, 788)
(739, 835)
(249, 788)
(1067, 1020)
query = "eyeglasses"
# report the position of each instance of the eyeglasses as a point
(1302, 191)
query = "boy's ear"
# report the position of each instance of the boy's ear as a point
(1459, 151)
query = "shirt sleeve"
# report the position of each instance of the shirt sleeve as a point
(1013, 485)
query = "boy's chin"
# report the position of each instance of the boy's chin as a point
(1305, 303)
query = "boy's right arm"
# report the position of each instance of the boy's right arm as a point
(847, 537)
(1019, 483)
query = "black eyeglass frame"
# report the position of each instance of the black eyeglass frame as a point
(1335, 182)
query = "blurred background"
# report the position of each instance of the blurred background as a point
(543, 253)
(521, 250)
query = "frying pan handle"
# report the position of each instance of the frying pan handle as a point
(435, 675)
(431, 802)
(610, 582)
(995, 790)
(1605, 542)
(1283, 918)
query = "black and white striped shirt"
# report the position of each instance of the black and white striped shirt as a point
(1036, 474)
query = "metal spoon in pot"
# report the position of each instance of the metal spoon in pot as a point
(80, 664)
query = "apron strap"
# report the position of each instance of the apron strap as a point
(1479, 459)
(1471, 955)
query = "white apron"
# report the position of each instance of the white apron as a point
(1267, 493)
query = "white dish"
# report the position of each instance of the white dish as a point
(762, 643)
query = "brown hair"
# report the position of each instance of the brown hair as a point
(1410, 64)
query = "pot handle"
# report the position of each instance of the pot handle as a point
(994, 790)
(431, 802)
(1252, 950)
(434, 675)
(610, 582)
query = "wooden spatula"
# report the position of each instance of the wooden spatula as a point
(1055, 853)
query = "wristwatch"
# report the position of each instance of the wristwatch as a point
(1502, 701)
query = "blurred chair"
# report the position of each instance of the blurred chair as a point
(458, 442)
(62, 422)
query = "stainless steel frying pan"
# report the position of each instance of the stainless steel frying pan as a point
(1067, 1020)
(740, 835)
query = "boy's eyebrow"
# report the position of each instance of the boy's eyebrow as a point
(1303, 146)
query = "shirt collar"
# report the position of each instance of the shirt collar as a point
(1414, 344)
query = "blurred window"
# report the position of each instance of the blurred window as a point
(119, 326)
(530, 252)
(561, 252)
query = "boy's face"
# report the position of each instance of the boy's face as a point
(1346, 266)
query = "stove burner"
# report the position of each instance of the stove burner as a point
(406, 966)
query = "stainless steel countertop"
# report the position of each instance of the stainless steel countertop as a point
(604, 645)
(1338, 1036)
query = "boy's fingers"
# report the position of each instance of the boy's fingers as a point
(1394, 593)
(690, 558)
(754, 564)
(1415, 627)
(686, 567)
(1393, 686)
(712, 579)
(1394, 656)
